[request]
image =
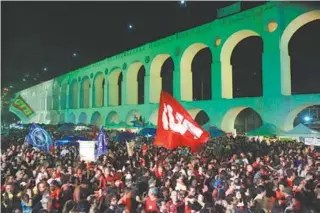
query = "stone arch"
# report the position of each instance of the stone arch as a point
(74, 94)
(96, 119)
(159, 77)
(186, 91)
(61, 118)
(287, 34)
(85, 92)
(228, 123)
(199, 115)
(83, 118)
(132, 115)
(112, 117)
(134, 84)
(71, 118)
(54, 118)
(63, 97)
(98, 90)
(288, 123)
(225, 58)
(114, 87)
(41, 118)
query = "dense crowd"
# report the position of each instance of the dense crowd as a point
(230, 174)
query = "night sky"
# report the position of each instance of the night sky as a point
(39, 35)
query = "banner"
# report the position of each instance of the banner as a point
(102, 143)
(39, 138)
(130, 148)
(21, 108)
(176, 127)
(312, 141)
(87, 150)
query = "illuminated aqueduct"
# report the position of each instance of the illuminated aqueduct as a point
(129, 84)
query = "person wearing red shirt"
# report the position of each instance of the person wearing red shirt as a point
(174, 205)
(151, 201)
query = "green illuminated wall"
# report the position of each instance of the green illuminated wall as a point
(91, 92)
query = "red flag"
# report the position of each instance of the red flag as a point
(176, 127)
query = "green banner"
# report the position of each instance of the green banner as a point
(21, 108)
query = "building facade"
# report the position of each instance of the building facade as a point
(110, 91)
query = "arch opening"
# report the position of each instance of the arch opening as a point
(307, 114)
(112, 118)
(287, 34)
(135, 84)
(140, 80)
(201, 75)
(241, 119)
(55, 97)
(41, 119)
(200, 116)
(54, 118)
(82, 118)
(72, 118)
(63, 97)
(85, 93)
(166, 75)
(98, 93)
(61, 118)
(187, 75)
(133, 115)
(246, 62)
(161, 77)
(304, 61)
(74, 94)
(96, 119)
(225, 58)
(115, 87)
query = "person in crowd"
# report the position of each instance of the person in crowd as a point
(230, 174)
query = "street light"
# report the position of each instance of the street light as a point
(74, 54)
(307, 118)
(45, 69)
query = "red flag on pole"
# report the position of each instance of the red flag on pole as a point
(176, 127)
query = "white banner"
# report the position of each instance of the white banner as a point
(87, 150)
(312, 141)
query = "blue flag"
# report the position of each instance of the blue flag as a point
(39, 138)
(102, 143)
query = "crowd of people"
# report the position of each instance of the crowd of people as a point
(229, 175)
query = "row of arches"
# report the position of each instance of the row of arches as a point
(242, 119)
(241, 72)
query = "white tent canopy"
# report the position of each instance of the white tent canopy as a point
(302, 131)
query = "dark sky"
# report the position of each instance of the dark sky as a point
(38, 35)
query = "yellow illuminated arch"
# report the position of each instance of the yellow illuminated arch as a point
(185, 70)
(289, 119)
(132, 83)
(225, 58)
(98, 90)
(155, 77)
(294, 25)
(229, 119)
(113, 87)
(85, 92)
